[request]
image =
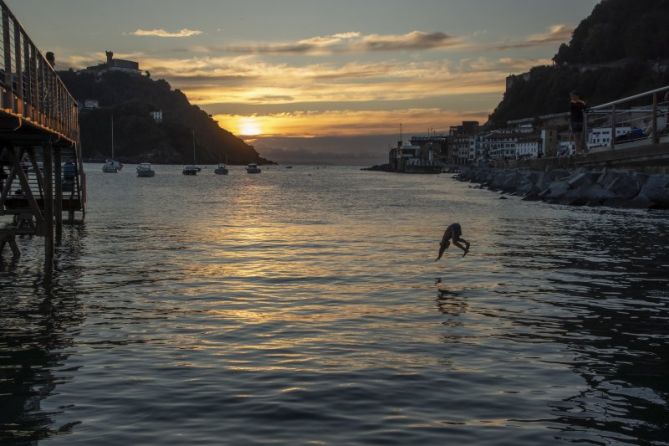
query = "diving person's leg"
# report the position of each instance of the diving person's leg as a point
(465, 248)
(442, 249)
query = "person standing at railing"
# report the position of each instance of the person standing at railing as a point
(577, 108)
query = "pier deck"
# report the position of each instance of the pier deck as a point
(41, 168)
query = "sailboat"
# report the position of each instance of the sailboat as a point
(112, 166)
(192, 169)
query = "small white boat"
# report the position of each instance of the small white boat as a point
(221, 170)
(145, 170)
(253, 168)
(111, 166)
(191, 170)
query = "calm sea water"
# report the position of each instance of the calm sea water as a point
(299, 307)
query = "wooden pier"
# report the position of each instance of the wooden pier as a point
(41, 170)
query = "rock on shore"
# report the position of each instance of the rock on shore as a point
(581, 187)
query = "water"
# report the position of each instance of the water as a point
(299, 307)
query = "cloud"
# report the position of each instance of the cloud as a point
(415, 40)
(166, 34)
(305, 124)
(504, 64)
(351, 42)
(554, 34)
(249, 80)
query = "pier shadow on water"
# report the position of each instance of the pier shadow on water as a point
(37, 325)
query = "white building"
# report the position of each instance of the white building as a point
(499, 145)
(91, 104)
(157, 116)
(529, 147)
(600, 137)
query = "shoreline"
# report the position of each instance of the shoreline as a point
(576, 187)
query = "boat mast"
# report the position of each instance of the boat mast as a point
(193, 132)
(112, 134)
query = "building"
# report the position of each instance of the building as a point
(500, 145)
(528, 147)
(157, 116)
(462, 142)
(511, 80)
(91, 104)
(437, 144)
(549, 142)
(116, 65)
(600, 137)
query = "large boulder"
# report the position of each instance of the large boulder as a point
(580, 178)
(596, 195)
(656, 189)
(625, 185)
(638, 202)
(555, 191)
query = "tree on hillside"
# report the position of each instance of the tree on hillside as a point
(619, 29)
(139, 138)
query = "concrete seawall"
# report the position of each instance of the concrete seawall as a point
(580, 186)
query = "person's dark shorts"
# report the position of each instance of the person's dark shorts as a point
(576, 127)
(456, 231)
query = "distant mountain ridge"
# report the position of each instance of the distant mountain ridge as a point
(621, 49)
(140, 138)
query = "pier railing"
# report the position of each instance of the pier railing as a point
(639, 119)
(30, 89)
(41, 169)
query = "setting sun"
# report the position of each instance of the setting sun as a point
(249, 127)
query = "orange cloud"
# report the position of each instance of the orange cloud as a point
(554, 34)
(347, 122)
(246, 79)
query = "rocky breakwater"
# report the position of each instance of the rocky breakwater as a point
(582, 187)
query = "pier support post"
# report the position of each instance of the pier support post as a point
(656, 136)
(613, 127)
(48, 211)
(58, 203)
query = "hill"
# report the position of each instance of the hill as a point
(619, 50)
(138, 137)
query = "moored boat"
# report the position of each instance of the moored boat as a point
(111, 166)
(191, 170)
(253, 168)
(221, 170)
(145, 170)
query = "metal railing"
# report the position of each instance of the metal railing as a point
(642, 118)
(29, 86)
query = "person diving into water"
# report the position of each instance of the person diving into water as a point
(454, 233)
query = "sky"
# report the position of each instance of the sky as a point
(317, 79)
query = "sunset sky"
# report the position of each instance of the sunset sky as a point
(299, 74)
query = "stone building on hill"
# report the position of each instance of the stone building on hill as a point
(125, 66)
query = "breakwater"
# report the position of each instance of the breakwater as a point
(580, 187)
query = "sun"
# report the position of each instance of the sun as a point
(249, 126)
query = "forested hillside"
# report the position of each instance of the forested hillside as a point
(138, 137)
(621, 49)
